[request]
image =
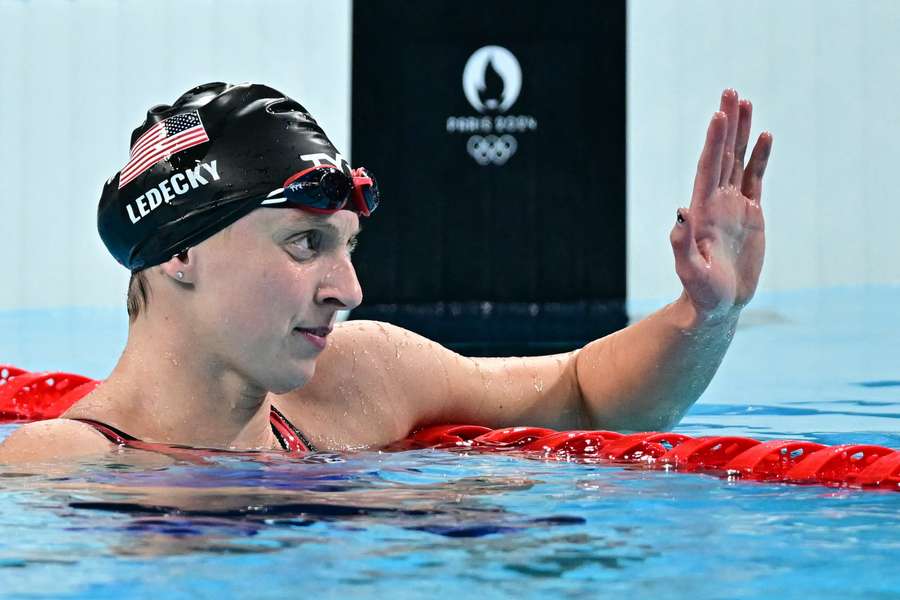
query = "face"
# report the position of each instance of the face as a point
(268, 288)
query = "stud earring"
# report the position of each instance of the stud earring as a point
(179, 275)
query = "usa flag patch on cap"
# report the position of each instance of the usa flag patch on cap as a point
(174, 134)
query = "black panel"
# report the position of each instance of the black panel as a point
(543, 221)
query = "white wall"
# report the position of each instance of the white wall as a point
(77, 77)
(823, 77)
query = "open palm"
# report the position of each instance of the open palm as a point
(719, 242)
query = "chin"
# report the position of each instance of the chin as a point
(287, 381)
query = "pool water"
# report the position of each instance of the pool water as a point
(817, 365)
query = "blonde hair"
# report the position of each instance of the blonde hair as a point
(138, 294)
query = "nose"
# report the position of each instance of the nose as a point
(340, 286)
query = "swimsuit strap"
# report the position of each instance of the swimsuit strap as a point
(123, 440)
(116, 436)
(290, 438)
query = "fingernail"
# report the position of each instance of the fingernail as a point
(679, 217)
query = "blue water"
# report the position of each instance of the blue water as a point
(819, 365)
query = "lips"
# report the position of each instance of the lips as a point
(317, 331)
(316, 336)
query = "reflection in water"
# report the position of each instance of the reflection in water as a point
(239, 505)
(371, 522)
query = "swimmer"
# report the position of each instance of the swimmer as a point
(237, 218)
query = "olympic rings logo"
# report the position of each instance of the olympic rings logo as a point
(491, 149)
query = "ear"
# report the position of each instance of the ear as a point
(181, 267)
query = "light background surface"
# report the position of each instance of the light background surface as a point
(823, 77)
(77, 77)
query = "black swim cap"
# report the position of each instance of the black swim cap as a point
(203, 163)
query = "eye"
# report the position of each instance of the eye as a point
(305, 245)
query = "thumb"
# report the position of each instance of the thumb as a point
(688, 261)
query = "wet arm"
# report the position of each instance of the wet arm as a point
(648, 375)
(645, 377)
(642, 378)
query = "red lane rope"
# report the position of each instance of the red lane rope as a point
(28, 396)
(787, 461)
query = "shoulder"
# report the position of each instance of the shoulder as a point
(367, 349)
(376, 332)
(52, 440)
(373, 349)
(377, 338)
(375, 344)
(373, 383)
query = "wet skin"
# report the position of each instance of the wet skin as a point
(245, 325)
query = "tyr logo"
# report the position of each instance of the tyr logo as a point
(337, 160)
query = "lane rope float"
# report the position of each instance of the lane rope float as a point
(26, 396)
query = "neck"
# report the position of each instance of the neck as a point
(169, 390)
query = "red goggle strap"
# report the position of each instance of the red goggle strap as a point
(361, 180)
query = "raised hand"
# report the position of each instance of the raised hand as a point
(719, 242)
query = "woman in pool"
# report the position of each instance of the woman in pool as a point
(237, 217)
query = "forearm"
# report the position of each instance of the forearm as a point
(647, 376)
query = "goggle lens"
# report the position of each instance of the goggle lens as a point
(320, 188)
(326, 189)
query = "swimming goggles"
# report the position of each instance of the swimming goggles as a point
(325, 189)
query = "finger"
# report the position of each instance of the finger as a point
(710, 164)
(745, 115)
(729, 105)
(756, 168)
(688, 260)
